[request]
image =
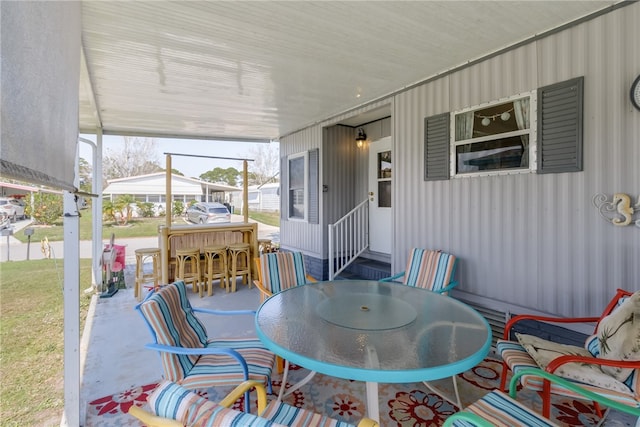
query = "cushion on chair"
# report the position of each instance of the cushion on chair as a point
(169, 314)
(169, 400)
(517, 358)
(429, 269)
(282, 270)
(543, 352)
(291, 416)
(501, 410)
(219, 370)
(619, 336)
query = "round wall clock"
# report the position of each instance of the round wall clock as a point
(635, 93)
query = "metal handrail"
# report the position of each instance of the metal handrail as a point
(348, 238)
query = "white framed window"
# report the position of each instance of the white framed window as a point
(298, 166)
(495, 138)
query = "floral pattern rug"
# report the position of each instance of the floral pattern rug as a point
(403, 405)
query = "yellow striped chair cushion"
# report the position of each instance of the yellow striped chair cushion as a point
(170, 400)
(282, 270)
(429, 269)
(169, 315)
(502, 411)
(291, 416)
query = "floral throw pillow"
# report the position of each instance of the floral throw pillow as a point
(619, 336)
(543, 352)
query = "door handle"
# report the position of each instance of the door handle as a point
(371, 193)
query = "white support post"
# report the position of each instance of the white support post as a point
(71, 298)
(96, 210)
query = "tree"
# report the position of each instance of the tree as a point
(228, 176)
(85, 169)
(138, 157)
(266, 164)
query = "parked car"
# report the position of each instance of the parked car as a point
(208, 213)
(14, 208)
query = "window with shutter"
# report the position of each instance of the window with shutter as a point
(494, 137)
(436, 147)
(313, 215)
(300, 179)
(560, 111)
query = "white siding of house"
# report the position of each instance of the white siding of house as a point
(523, 240)
(532, 240)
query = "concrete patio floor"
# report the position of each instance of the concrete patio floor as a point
(113, 357)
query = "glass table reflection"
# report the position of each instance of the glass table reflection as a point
(374, 332)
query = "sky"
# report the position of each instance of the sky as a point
(189, 166)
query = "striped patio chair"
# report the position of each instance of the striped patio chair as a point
(599, 367)
(430, 269)
(174, 405)
(278, 271)
(192, 359)
(496, 409)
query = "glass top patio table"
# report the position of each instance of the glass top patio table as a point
(378, 332)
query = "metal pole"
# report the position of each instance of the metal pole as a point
(28, 246)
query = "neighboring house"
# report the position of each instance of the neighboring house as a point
(264, 198)
(497, 162)
(152, 188)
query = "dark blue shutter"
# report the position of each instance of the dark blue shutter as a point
(284, 188)
(560, 110)
(313, 206)
(436, 147)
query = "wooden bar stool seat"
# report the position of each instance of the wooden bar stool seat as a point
(142, 255)
(216, 262)
(239, 263)
(189, 257)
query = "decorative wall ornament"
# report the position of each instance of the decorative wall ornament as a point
(619, 210)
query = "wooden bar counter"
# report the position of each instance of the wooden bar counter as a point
(199, 236)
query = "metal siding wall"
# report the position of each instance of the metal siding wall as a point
(298, 235)
(532, 240)
(339, 157)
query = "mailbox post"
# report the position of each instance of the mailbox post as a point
(28, 232)
(7, 232)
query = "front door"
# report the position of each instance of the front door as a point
(380, 172)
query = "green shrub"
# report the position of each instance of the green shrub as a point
(146, 209)
(177, 208)
(46, 208)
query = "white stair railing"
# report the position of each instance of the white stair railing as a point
(348, 238)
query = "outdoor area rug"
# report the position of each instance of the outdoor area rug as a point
(400, 404)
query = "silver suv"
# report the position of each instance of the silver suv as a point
(13, 208)
(208, 213)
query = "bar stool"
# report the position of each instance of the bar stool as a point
(239, 267)
(192, 257)
(142, 255)
(210, 255)
(264, 246)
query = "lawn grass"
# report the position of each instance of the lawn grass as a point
(138, 227)
(31, 340)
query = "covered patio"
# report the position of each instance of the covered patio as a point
(254, 71)
(118, 373)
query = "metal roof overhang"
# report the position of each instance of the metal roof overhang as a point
(261, 70)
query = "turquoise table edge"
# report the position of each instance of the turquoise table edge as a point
(373, 375)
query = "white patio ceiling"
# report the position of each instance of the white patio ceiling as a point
(260, 70)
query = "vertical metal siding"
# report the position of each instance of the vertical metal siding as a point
(528, 239)
(299, 235)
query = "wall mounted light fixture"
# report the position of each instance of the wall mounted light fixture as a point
(361, 138)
